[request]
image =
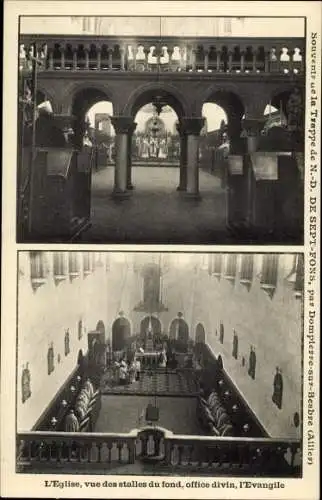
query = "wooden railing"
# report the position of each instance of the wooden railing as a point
(169, 54)
(44, 451)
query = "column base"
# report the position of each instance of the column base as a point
(120, 195)
(191, 196)
(130, 187)
(181, 188)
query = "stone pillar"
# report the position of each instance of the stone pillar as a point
(251, 130)
(192, 127)
(123, 126)
(183, 159)
(234, 129)
(129, 184)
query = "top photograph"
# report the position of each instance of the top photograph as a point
(161, 130)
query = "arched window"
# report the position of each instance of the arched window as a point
(37, 269)
(231, 266)
(269, 273)
(247, 267)
(200, 334)
(73, 265)
(60, 270)
(217, 264)
(87, 263)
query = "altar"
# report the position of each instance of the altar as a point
(148, 360)
(154, 141)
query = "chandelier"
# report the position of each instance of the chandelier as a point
(158, 102)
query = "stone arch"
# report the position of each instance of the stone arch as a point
(144, 94)
(121, 331)
(100, 330)
(223, 96)
(156, 325)
(98, 91)
(44, 94)
(80, 99)
(179, 330)
(230, 100)
(280, 95)
(200, 335)
(100, 327)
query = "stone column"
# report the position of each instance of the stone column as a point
(251, 130)
(123, 126)
(192, 127)
(183, 158)
(129, 184)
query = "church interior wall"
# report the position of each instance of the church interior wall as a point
(46, 314)
(274, 327)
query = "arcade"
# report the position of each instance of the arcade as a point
(261, 172)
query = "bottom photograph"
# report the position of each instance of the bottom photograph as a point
(147, 363)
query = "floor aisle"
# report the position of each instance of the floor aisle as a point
(156, 212)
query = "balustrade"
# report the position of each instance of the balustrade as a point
(148, 54)
(65, 449)
(260, 456)
(98, 451)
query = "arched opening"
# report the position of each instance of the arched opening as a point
(214, 140)
(232, 110)
(121, 331)
(151, 327)
(200, 337)
(179, 334)
(100, 327)
(93, 137)
(155, 143)
(100, 134)
(89, 127)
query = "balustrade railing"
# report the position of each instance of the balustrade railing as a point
(259, 455)
(152, 54)
(36, 449)
(43, 451)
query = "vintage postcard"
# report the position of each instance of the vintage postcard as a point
(160, 243)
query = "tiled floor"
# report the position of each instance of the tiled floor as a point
(151, 382)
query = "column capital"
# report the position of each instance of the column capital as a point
(123, 124)
(190, 125)
(252, 127)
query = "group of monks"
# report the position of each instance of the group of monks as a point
(83, 407)
(214, 417)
